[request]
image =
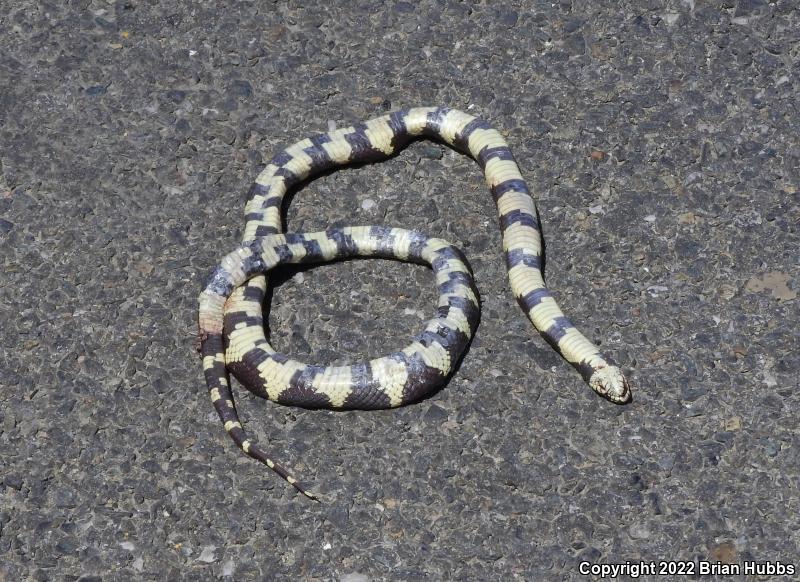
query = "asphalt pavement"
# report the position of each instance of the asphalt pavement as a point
(661, 141)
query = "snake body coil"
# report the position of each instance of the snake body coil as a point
(231, 303)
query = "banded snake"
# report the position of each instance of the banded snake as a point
(231, 330)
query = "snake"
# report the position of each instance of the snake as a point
(231, 314)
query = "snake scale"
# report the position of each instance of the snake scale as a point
(231, 326)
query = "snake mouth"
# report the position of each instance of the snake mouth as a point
(611, 384)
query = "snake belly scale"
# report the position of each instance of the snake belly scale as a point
(231, 324)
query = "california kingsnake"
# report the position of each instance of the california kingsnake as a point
(231, 320)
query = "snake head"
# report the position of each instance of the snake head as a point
(610, 383)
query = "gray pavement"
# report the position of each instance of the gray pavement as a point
(661, 138)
